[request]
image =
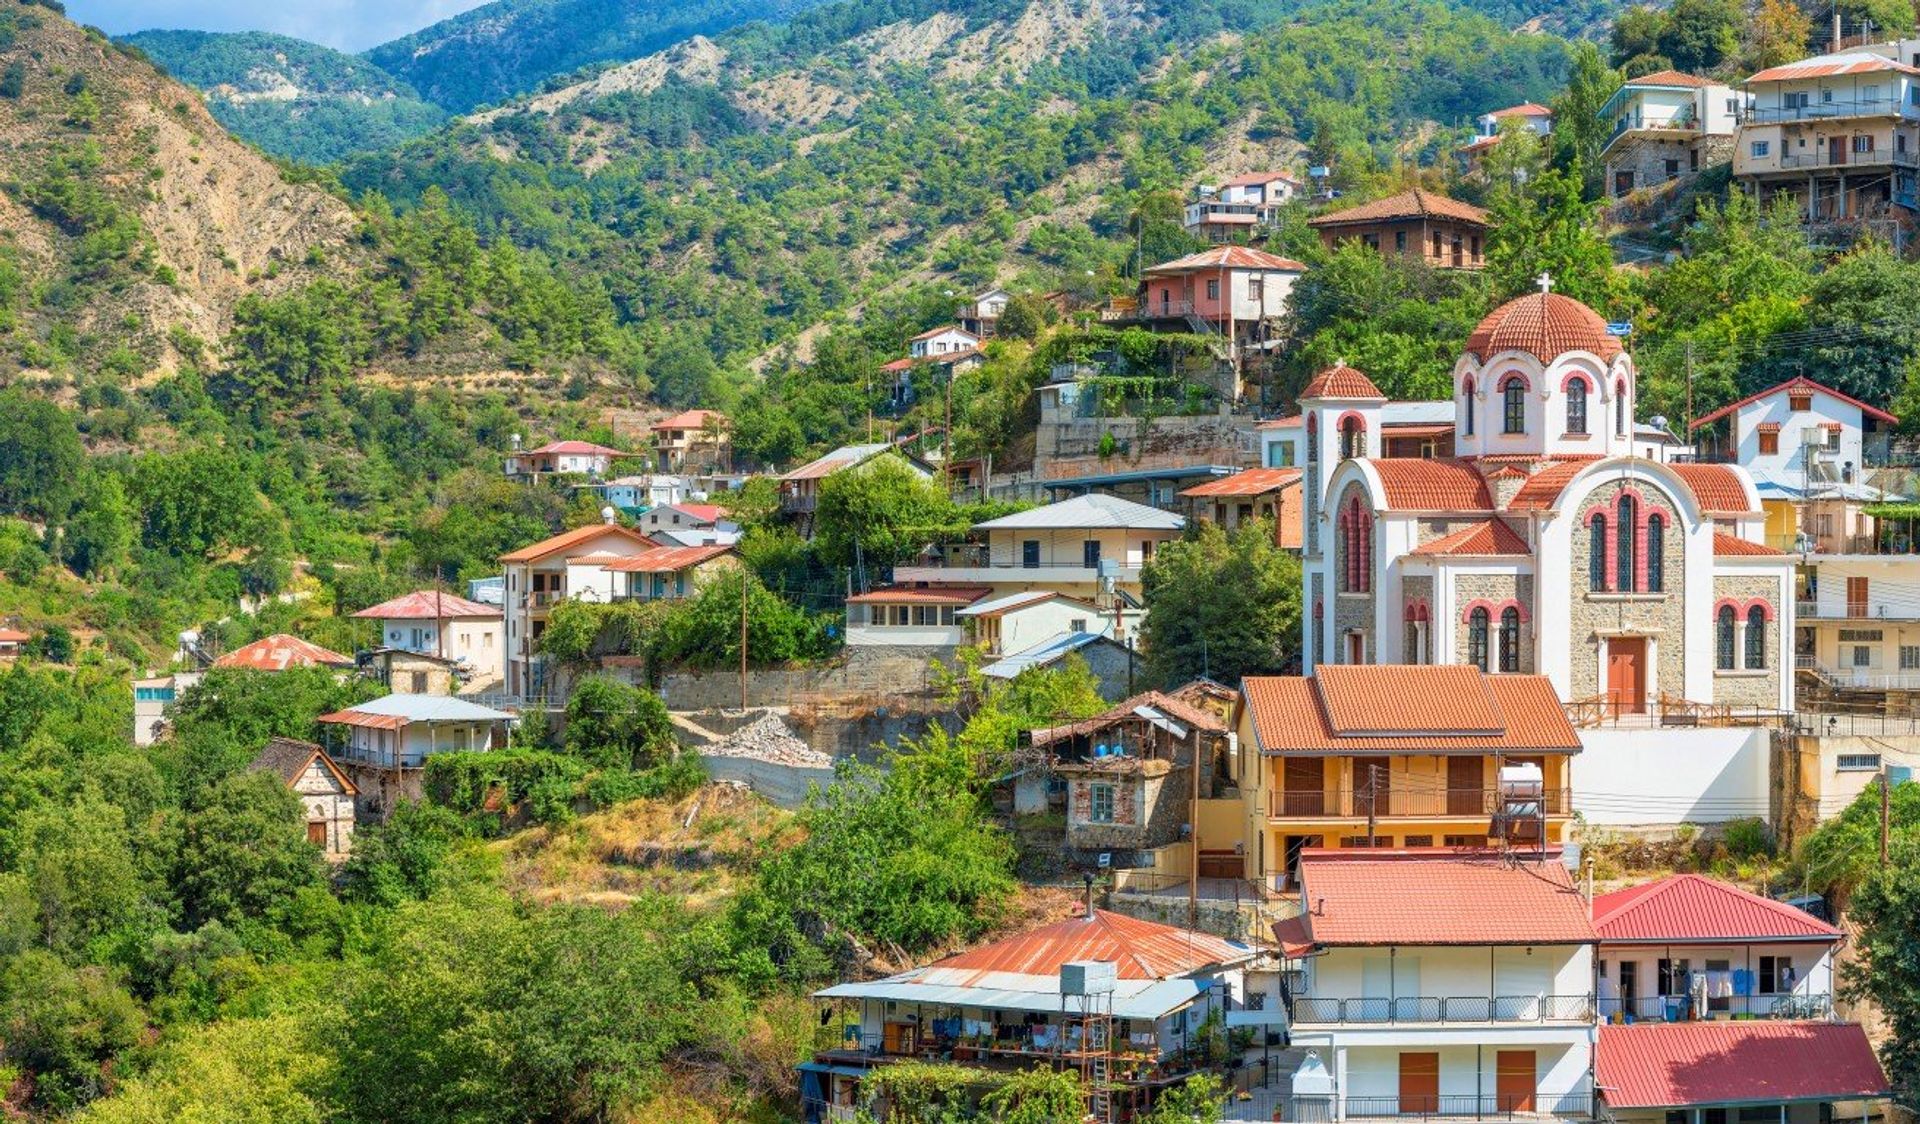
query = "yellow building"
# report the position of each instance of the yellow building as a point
(1398, 755)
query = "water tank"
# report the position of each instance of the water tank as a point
(1087, 977)
(1899, 774)
(1523, 781)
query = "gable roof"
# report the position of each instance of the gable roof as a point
(1249, 179)
(577, 447)
(1524, 109)
(288, 759)
(1796, 383)
(1250, 482)
(1423, 484)
(703, 512)
(1366, 897)
(280, 652)
(395, 711)
(1675, 1065)
(1542, 489)
(1414, 203)
(1733, 546)
(13, 636)
(691, 419)
(1226, 257)
(846, 456)
(567, 540)
(1670, 78)
(426, 605)
(1139, 950)
(1406, 708)
(1008, 602)
(1717, 487)
(1693, 909)
(944, 329)
(1484, 538)
(666, 559)
(1095, 510)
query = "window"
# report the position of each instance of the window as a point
(1100, 803)
(1077, 624)
(1858, 762)
(1909, 657)
(1769, 442)
(1776, 975)
(1759, 148)
(153, 694)
(1477, 638)
(1863, 142)
(1213, 288)
(1509, 639)
(1030, 554)
(1656, 553)
(1356, 529)
(1280, 454)
(1597, 552)
(1625, 540)
(1832, 437)
(1417, 841)
(1577, 406)
(1756, 637)
(1723, 639)
(1256, 288)
(1400, 241)
(1463, 840)
(1629, 981)
(1515, 400)
(1090, 554)
(1863, 656)
(1466, 407)
(1800, 403)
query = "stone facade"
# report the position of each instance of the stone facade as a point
(1498, 589)
(1316, 610)
(1417, 588)
(1353, 611)
(329, 809)
(1150, 801)
(1648, 160)
(1746, 686)
(1662, 616)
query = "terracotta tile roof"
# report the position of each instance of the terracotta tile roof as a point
(13, 636)
(1414, 203)
(1725, 545)
(1408, 708)
(1341, 381)
(1139, 950)
(1488, 537)
(666, 559)
(1670, 78)
(898, 365)
(703, 512)
(280, 652)
(1422, 484)
(578, 447)
(1228, 257)
(691, 419)
(1366, 898)
(1692, 909)
(1676, 1065)
(1542, 489)
(1252, 482)
(1802, 384)
(921, 595)
(1543, 325)
(1292, 421)
(1524, 109)
(427, 605)
(567, 540)
(1293, 937)
(1717, 486)
(943, 330)
(1177, 709)
(1828, 66)
(288, 759)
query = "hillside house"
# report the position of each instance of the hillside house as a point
(637, 494)
(280, 652)
(1243, 205)
(1442, 983)
(1235, 292)
(541, 575)
(800, 488)
(1445, 233)
(322, 786)
(1255, 493)
(1667, 126)
(1004, 624)
(690, 524)
(693, 441)
(1113, 664)
(667, 573)
(946, 340)
(556, 458)
(1133, 774)
(13, 642)
(910, 616)
(428, 621)
(980, 314)
(1489, 127)
(1840, 133)
(1014, 1003)
(1712, 1072)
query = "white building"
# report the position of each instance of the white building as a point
(1443, 983)
(444, 625)
(936, 342)
(1543, 545)
(1071, 547)
(1239, 206)
(582, 458)
(1838, 132)
(1667, 126)
(539, 576)
(1011, 623)
(400, 732)
(981, 313)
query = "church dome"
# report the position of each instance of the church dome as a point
(1341, 381)
(1545, 326)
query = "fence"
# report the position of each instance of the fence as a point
(1667, 710)
(1309, 1010)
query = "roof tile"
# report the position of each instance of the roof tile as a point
(1485, 538)
(1414, 203)
(1691, 908)
(1341, 381)
(1431, 484)
(1543, 325)
(1718, 487)
(1252, 482)
(1733, 546)
(1407, 708)
(1227, 257)
(427, 605)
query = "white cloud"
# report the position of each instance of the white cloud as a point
(351, 25)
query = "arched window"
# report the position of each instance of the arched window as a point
(1597, 552)
(1466, 407)
(1477, 623)
(1353, 438)
(1416, 623)
(1620, 408)
(1577, 406)
(1656, 553)
(1756, 637)
(1623, 546)
(1356, 529)
(1514, 398)
(1723, 639)
(1509, 639)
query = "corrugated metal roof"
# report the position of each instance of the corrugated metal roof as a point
(1252, 482)
(1139, 950)
(1408, 708)
(1831, 66)
(1357, 897)
(920, 595)
(578, 448)
(1132, 999)
(1226, 257)
(1049, 651)
(1088, 512)
(419, 708)
(996, 606)
(280, 652)
(1690, 908)
(427, 604)
(846, 456)
(1677, 1065)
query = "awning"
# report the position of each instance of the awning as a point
(1153, 1000)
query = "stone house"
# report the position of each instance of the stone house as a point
(1131, 773)
(321, 785)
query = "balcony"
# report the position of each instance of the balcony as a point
(1677, 1008)
(1821, 111)
(1464, 1106)
(1431, 1010)
(1827, 157)
(1476, 803)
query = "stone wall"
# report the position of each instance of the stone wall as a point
(1648, 160)
(1496, 588)
(1746, 687)
(877, 671)
(1353, 612)
(1149, 807)
(1316, 625)
(1661, 615)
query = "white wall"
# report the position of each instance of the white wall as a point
(1451, 972)
(1812, 965)
(1466, 1070)
(1650, 777)
(1797, 430)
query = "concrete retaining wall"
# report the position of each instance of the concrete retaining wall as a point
(784, 786)
(1652, 777)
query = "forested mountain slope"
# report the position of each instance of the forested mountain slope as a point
(291, 97)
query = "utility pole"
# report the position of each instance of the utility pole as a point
(1689, 427)
(1884, 811)
(743, 639)
(1373, 796)
(1836, 27)
(946, 439)
(1193, 838)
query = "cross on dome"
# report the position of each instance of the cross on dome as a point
(1545, 281)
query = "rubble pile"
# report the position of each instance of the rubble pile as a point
(767, 739)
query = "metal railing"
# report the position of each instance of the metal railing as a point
(1668, 710)
(1679, 1008)
(1485, 1106)
(1821, 111)
(1401, 803)
(1825, 157)
(1309, 1010)
(1862, 679)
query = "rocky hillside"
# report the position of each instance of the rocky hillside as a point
(133, 221)
(293, 98)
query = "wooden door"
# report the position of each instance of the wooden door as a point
(1303, 786)
(1222, 864)
(1466, 786)
(317, 834)
(1836, 150)
(1419, 1083)
(1857, 597)
(1514, 1080)
(1627, 675)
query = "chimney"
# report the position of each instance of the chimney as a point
(1087, 878)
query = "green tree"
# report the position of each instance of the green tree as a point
(242, 851)
(704, 630)
(1779, 33)
(1224, 605)
(1547, 227)
(103, 528)
(195, 501)
(220, 723)
(614, 725)
(1581, 129)
(275, 1069)
(880, 513)
(41, 457)
(1703, 35)
(62, 1025)
(79, 862)
(407, 857)
(1886, 915)
(1024, 317)
(1199, 1099)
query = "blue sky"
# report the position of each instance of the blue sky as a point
(351, 25)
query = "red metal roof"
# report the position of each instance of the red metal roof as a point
(1545, 326)
(666, 559)
(13, 636)
(427, 605)
(362, 719)
(1252, 482)
(567, 540)
(1676, 1065)
(898, 365)
(1415, 203)
(1177, 709)
(930, 595)
(1139, 950)
(704, 512)
(280, 652)
(691, 419)
(1341, 381)
(1692, 909)
(1828, 66)
(1717, 487)
(1798, 383)
(1734, 546)
(1366, 897)
(1424, 484)
(1487, 537)
(1228, 257)
(1406, 708)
